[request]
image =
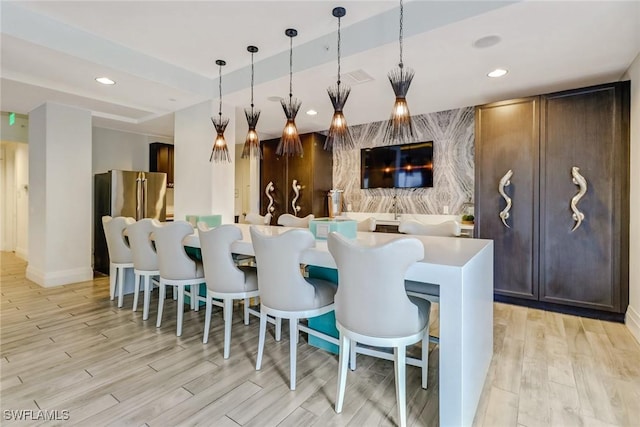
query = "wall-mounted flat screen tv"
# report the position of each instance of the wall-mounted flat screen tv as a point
(397, 166)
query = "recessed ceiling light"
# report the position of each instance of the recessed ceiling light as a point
(312, 112)
(105, 80)
(498, 72)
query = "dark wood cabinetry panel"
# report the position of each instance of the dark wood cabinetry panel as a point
(312, 170)
(586, 267)
(541, 139)
(273, 169)
(161, 160)
(507, 139)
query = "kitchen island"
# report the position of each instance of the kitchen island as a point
(463, 268)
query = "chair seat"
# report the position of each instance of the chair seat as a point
(325, 292)
(250, 278)
(424, 308)
(422, 288)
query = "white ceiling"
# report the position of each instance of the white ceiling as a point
(162, 53)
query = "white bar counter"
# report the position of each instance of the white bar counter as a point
(463, 268)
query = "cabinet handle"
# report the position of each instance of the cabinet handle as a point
(267, 190)
(581, 182)
(505, 181)
(296, 189)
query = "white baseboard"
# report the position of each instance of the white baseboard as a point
(632, 320)
(59, 278)
(22, 254)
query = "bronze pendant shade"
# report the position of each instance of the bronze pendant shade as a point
(339, 136)
(252, 143)
(290, 144)
(220, 151)
(399, 128)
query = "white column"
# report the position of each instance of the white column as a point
(202, 187)
(254, 182)
(59, 195)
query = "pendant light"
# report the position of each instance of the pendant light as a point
(399, 127)
(252, 143)
(339, 136)
(290, 144)
(220, 151)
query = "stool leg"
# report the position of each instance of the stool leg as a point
(147, 298)
(293, 347)
(112, 281)
(246, 310)
(120, 285)
(278, 328)
(352, 356)
(136, 290)
(401, 377)
(207, 318)
(228, 319)
(180, 310)
(263, 332)
(425, 359)
(342, 371)
(161, 297)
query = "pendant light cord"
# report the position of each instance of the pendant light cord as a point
(220, 89)
(252, 82)
(338, 54)
(290, 68)
(401, 28)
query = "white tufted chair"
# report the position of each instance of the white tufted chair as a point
(288, 220)
(284, 292)
(427, 291)
(368, 224)
(120, 255)
(445, 229)
(145, 260)
(257, 219)
(176, 268)
(373, 308)
(225, 280)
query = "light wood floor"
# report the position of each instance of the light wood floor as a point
(70, 348)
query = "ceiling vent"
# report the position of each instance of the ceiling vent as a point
(356, 77)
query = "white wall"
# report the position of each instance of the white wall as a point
(60, 195)
(633, 312)
(243, 184)
(22, 200)
(114, 149)
(202, 187)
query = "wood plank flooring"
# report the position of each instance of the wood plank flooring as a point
(71, 349)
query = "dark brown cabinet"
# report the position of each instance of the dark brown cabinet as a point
(555, 243)
(313, 172)
(161, 160)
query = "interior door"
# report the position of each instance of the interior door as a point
(507, 150)
(580, 257)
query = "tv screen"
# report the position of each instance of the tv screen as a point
(397, 166)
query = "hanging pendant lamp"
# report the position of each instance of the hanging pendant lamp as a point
(220, 152)
(290, 144)
(399, 128)
(339, 136)
(252, 143)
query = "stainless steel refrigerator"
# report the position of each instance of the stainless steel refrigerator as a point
(125, 193)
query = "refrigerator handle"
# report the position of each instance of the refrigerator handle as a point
(144, 198)
(139, 198)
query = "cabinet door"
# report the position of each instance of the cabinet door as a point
(273, 169)
(300, 168)
(507, 139)
(583, 129)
